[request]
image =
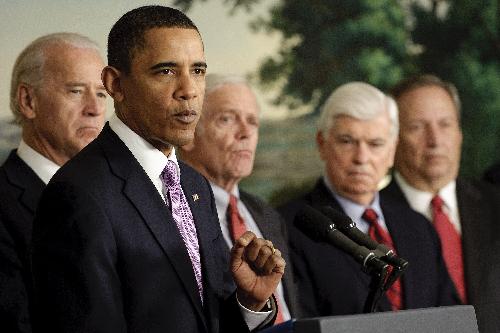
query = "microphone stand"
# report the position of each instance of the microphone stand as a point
(377, 288)
(380, 282)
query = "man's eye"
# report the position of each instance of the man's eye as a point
(199, 71)
(415, 127)
(376, 144)
(166, 71)
(346, 141)
(101, 95)
(76, 91)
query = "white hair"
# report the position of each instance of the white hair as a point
(28, 67)
(214, 81)
(358, 100)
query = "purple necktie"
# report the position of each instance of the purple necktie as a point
(183, 218)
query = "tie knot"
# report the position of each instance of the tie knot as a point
(169, 175)
(370, 216)
(437, 202)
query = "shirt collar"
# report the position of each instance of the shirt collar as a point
(221, 196)
(151, 159)
(420, 200)
(42, 166)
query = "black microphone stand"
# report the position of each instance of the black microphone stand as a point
(377, 288)
(381, 281)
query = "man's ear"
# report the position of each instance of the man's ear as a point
(111, 79)
(27, 100)
(320, 142)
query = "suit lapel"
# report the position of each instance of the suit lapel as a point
(404, 245)
(23, 177)
(148, 202)
(471, 212)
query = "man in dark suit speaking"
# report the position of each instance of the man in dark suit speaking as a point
(223, 150)
(58, 99)
(357, 138)
(126, 238)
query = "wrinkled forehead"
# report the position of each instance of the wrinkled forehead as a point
(427, 103)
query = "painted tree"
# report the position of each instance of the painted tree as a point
(460, 42)
(328, 43)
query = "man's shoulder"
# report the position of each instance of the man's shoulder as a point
(478, 189)
(492, 174)
(16, 177)
(317, 195)
(393, 193)
(259, 207)
(251, 199)
(95, 162)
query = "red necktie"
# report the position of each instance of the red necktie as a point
(237, 228)
(377, 233)
(451, 245)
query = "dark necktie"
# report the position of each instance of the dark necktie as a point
(237, 228)
(183, 217)
(451, 245)
(377, 233)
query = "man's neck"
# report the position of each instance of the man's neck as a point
(42, 146)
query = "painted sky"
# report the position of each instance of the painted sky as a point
(231, 47)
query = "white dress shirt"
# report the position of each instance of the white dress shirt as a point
(153, 162)
(42, 166)
(420, 201)
(222, 203)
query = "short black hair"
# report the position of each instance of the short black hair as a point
(127, 34)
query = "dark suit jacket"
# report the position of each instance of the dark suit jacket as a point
(20, 189)
(272, 227)
(492, 174)
(108, 256)
(479, 210)
(333, 283)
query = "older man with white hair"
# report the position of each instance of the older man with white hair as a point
(58, 99)
(356, 139)
(223, 150)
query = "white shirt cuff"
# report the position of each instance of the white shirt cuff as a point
(253, 319)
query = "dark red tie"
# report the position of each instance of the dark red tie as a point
(237, 225)
(237, 228)
(451, 245)
(377, 233)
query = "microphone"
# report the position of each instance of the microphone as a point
(319, 228)
(348, 227)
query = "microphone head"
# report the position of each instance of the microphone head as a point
(319, 228)
(312, 223)
(341, 220)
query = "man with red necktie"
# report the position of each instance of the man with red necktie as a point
(356, 139)
(463, 212)
(223, 151)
